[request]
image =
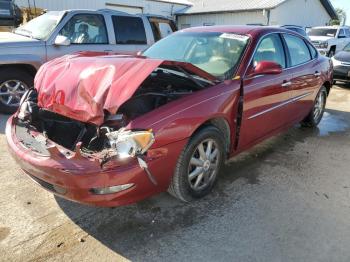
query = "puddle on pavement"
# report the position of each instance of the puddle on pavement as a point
(331, 124)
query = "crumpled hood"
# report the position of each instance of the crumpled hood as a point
(84, 85)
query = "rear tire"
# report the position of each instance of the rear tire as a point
(13, 83)
(316, 113)
(198, 165)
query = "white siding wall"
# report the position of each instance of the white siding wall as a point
(300, 12)
(153, 7)
(240, 18)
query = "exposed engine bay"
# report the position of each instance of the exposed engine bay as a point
(161, 87)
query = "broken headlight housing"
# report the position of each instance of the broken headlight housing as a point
(128, 143)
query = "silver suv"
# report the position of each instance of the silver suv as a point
(57, 33)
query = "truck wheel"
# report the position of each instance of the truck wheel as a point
(198, 166)
(13, 84)
(316, 114)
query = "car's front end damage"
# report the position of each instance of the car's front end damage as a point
(76, 133)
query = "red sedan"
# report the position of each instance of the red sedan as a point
(111, 130)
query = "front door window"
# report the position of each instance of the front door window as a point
(86, 29)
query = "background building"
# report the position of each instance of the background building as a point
(160, 7)
(265, 12)
(209, 12)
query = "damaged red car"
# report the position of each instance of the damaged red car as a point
(112, 130)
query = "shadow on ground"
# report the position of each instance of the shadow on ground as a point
(127, 229)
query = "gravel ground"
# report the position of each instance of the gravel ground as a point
(285, 200)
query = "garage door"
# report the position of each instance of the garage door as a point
(125, 8)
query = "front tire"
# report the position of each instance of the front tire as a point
(316, 114)
(13, 84)
(198, 165)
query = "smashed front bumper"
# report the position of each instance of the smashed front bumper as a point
(76, 177)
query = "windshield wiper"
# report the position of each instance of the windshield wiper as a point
(194, 79)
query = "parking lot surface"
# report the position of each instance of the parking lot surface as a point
(288, 199)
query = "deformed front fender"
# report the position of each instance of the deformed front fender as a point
(179, 119)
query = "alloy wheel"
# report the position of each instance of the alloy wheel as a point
(319, 106)
(11, 92)
(203, 165)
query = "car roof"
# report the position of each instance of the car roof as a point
(110, 11)
(241, 29)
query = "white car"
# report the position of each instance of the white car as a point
(329, 39)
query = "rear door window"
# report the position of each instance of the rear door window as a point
(298, 51)
(270, 49)
(129, 30)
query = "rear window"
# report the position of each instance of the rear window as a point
(299, 52)
(129, 30)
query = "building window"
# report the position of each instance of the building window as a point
(208, 24)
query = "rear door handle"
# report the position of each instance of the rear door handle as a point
(317, 74)
(286, 84)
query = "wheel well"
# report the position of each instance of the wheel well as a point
(328, 86)
(25, 67)
(223, 126)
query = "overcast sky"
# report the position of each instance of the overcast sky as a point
(345, 5)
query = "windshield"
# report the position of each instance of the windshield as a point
(216, 53)
(323, 32)
(40, 27)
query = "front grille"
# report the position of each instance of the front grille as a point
(48, 186)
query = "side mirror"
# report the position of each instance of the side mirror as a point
(266, 68)
(62, 41)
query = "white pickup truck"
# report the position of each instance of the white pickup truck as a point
(57, 33)
(329, 39)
